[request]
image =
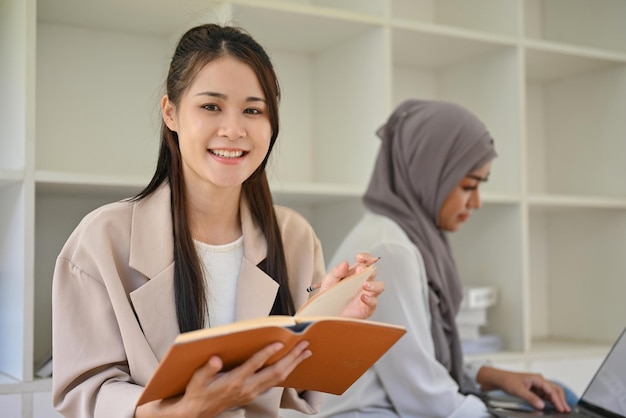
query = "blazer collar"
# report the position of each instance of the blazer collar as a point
(151, 253)
(151, 236)
(253, 285)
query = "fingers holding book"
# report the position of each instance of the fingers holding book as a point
(365, 300)
(260, 372)
(363, 260)
(343, 270)
(212, 390)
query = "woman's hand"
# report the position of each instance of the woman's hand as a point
(364, 302)
(210, 392)
(531, 387)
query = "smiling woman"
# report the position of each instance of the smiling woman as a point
(223, 128)
(202, 245)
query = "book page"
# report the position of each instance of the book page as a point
(243, 325)
(332, 301)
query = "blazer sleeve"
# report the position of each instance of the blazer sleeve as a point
(90, 370)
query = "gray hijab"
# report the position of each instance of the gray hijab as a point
(427, 148)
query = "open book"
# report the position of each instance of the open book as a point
(343, 348)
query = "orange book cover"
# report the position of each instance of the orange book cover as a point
(343, 348)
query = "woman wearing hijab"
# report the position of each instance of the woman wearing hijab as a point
(432, 160)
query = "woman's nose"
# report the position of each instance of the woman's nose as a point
(475, 202)
(232, 126)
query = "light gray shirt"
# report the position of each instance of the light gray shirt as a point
(407, 381)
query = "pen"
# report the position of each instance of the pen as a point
(313, 287)
(350, 272)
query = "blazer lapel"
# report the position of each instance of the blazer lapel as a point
(154, 306)
(152, 254)
(151, 242)
(256, 291)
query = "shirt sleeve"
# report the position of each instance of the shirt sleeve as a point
(415, 382)
(471, 368)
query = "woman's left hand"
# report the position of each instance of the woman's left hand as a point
(364, 302)
(531, 387)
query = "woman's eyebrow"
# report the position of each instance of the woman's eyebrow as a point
(212, 94)
(478, 178)
(225, 97)
(255, 99)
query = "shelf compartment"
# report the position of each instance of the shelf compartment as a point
(311, 29)
(488, 253)
(14, 259)
(548, 62)
(161, 19)
(501, 18)
(15, 68)
(575, 277)
(368, 7)
(597, 24)
(429, 47)
(56, 216)
(11, 405)
(327, 137)
(575, 133)
(75, 78)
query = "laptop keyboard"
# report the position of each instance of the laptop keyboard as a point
(576, 413)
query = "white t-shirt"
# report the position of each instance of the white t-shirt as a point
(221, 265)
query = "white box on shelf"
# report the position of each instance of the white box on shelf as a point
(468, 332)
(488, 343)
(479, 297)
(476, 316)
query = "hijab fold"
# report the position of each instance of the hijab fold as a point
(427, 148)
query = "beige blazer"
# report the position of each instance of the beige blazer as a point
(113, 304)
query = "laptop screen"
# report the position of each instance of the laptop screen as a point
(607, 389)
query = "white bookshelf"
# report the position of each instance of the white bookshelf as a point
(81, 83)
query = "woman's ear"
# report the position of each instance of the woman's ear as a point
(168, 110)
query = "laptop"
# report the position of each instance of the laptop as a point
(604, 397)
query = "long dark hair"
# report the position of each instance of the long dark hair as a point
(197, 47)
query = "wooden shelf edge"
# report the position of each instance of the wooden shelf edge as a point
(455, 32)
(11, 176)
(9, 385)
(314, 10)
(574, 50)
(51, 182)
(548, 349)
(562, 201)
